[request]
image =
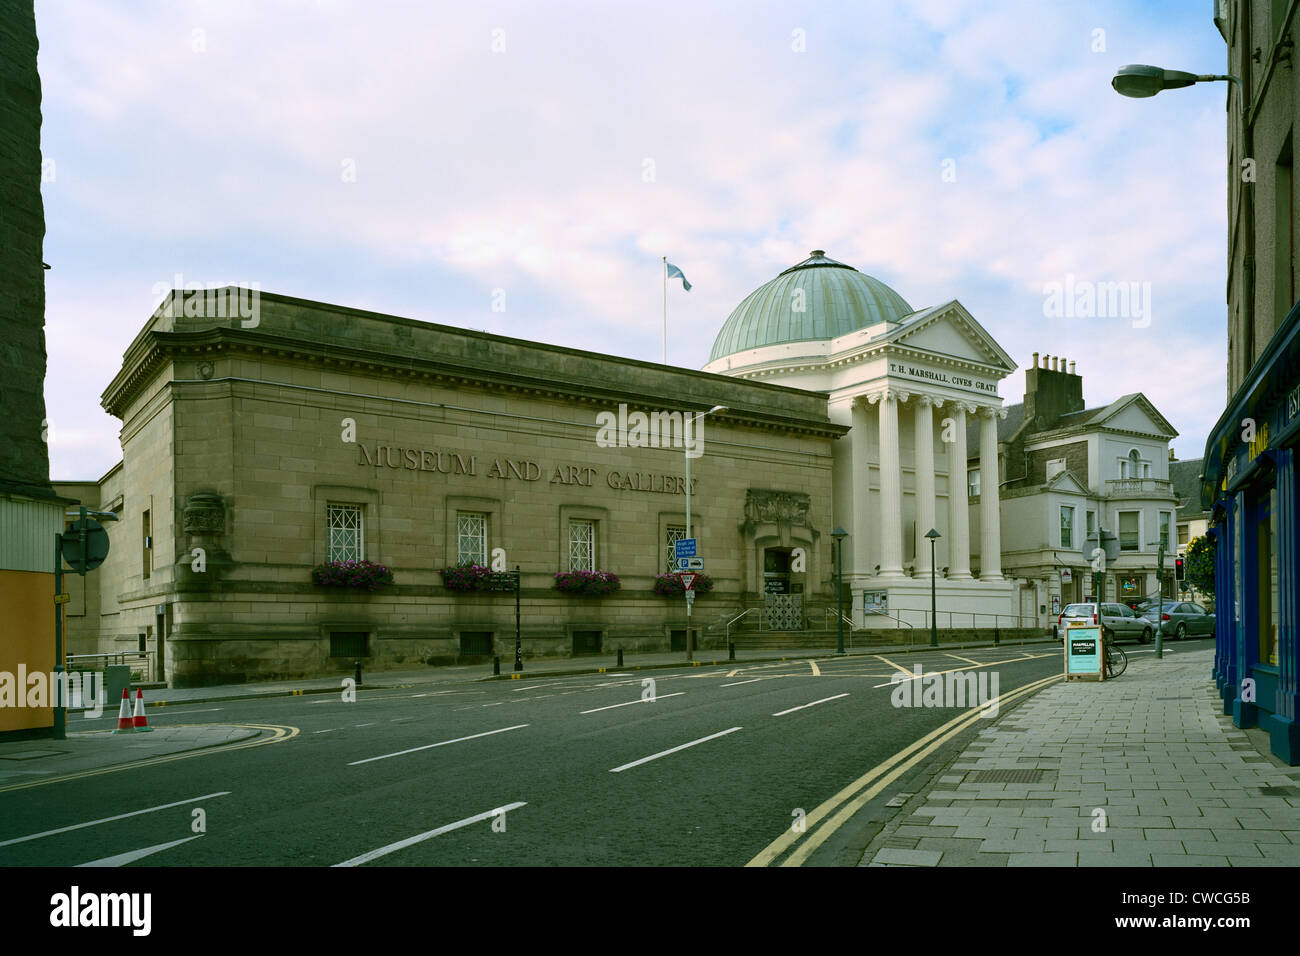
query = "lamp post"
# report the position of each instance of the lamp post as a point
(688, 425)
(934, 536)
(1139, 80)
(839, 534)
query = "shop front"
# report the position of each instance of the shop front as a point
(1250, 487)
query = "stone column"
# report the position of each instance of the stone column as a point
(860, 541)
(990, 512)
(891, 486)
(924, 432)
(958, 501)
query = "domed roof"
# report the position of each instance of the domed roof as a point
(837, 299)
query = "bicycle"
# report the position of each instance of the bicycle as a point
(1116, 661)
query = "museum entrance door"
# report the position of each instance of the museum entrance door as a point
(783, 599)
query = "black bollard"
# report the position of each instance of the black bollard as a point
(997, 636)
(620, 657)
(496, 666)
(358, 675)
(731, 650)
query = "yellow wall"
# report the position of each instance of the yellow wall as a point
(26, 637)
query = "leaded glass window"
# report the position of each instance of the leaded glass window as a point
(471, 538)
(346, 533)
(582, 546)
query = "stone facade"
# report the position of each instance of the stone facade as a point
(239, 438)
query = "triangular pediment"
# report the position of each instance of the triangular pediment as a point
(1134, 413)
(1067, 483)
(948, 331)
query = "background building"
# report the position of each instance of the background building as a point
(1250, 468)
(1193, 519)
(1064, 466)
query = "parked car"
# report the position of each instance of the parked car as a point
(1181, 619)
(1117, 622)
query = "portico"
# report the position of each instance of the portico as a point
(907, 384)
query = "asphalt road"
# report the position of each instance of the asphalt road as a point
(719, 765)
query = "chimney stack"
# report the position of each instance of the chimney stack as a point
(1048, 397)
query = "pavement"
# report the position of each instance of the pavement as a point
(1142, 770)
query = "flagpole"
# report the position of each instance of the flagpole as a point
(665, 259)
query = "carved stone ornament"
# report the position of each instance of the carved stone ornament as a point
(776, 507)
(205, 514)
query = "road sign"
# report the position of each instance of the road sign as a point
(690, 564)
(690, 598)
(688, 581)
(96, 545)
(684, 548)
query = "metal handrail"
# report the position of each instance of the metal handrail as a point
(848, 619)
(115, 657)
(742, 614)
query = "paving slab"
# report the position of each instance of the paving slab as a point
(1178, 783)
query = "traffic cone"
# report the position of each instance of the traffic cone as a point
(140, 723)
(124, 723)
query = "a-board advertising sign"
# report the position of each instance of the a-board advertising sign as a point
(1083, 652)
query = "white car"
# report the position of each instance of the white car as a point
(1118, 622)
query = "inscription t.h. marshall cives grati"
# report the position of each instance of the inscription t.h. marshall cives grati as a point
(516, 469)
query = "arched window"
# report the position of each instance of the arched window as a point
(1134, 464)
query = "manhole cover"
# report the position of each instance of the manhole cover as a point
(1005, 776)
(32, 754)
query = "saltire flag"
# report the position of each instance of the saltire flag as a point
(676, 273)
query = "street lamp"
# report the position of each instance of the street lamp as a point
(839, 534)
(687, 427)
(1140, 81)
(934, 629)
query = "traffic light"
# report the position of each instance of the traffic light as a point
(1179, 575)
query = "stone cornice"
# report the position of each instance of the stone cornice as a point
(154, 349)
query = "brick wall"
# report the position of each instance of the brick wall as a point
(1076, 461)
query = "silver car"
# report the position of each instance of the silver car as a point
(1181, 619)
(1117, 622)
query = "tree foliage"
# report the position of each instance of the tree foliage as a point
(1198, 563)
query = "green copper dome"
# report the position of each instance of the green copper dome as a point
(836, 299)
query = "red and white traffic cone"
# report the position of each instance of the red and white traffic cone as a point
(125, 725)
(140, 723)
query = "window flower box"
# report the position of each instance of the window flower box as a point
(466, 577)
(358, 575)
(587, 583)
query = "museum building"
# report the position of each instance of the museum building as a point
(264, 435)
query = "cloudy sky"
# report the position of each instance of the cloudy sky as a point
(411, 158)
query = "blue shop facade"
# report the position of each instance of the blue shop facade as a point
(1250, 487)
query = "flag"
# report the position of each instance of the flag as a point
(676, 273)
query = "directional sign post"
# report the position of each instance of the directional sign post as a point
(684, 549)
(84, 546)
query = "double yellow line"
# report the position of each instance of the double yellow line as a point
(279, 733)
(856, 795)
